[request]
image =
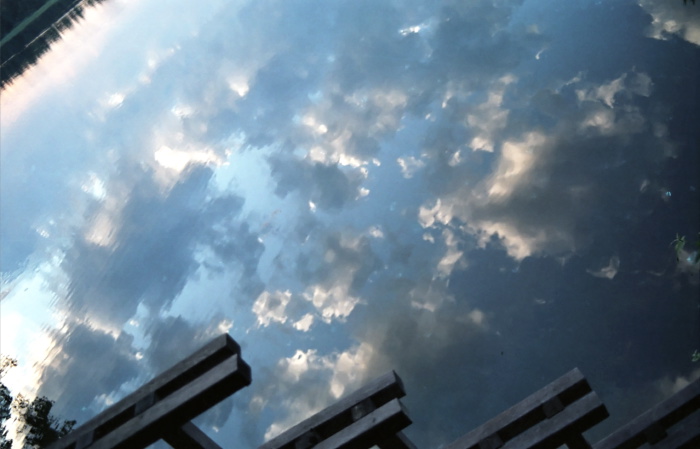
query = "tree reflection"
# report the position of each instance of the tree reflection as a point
(35, 421)
(30, 27)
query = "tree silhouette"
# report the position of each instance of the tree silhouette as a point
(5, 401)
(39, 426)
(36, 422)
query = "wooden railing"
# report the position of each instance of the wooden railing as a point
(373, 416)
(370, 416)
(557, 414)
(162, 408)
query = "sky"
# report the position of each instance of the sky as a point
(477, 194)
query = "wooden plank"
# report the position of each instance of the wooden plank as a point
(562, 427)
(396, 441)
(662, 416)
(190, 436)
(340, 414)
(577, 441)
(683, 435)
(548, 401)
(364, 433)
(179, 407)
(211, 354)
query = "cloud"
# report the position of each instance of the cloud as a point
(110, 362)
(146, 249)
(609, 271)
(334, 285)
(409, 166)
(489, 118)
(304, 324)
(528, 201)
(325, 282)
(332, 303)
(636, 84)
(142, 252)
(326, 186)
(270, 307)
(308, 382)
(673, 18)
(669, 387)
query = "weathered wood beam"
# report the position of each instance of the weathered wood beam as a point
(364, 433)
(339, 415)
(179, 407)
(540, 407)
(563, 427)
(168, 401)
(396, 441)
(653, 426)
(684, 435)
(189, 436)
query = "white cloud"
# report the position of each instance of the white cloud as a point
(518, 168)
(452, 254)
(271, 307)
(376, 232)
(605, 93)
(350, 369)
(609, 271)
(669, 386)
(239, 84)
(518, 245)
(333, 302)
(294, 367)
(317, 127)
(518, 159)
(475, 318)
(440, 212)
(317, 381)
(637, 83)
(102, 227)
(488, 119)
(178, 160)
(304, 323)
(670, 18)
(94, 186)
(603, 120)
(409, 166)
(503, 203)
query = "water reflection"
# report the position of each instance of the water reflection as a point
(433, 198)
(30, 28)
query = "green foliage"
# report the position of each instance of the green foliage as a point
(696, 356)
(679, 245)
(36, 422)
(5, 401)
(39, 426)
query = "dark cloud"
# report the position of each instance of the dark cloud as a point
(327, 186)
(340, 254)
(233, 242)
(150, 258)
(87, 367)
(33, 189)
(151, 244)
